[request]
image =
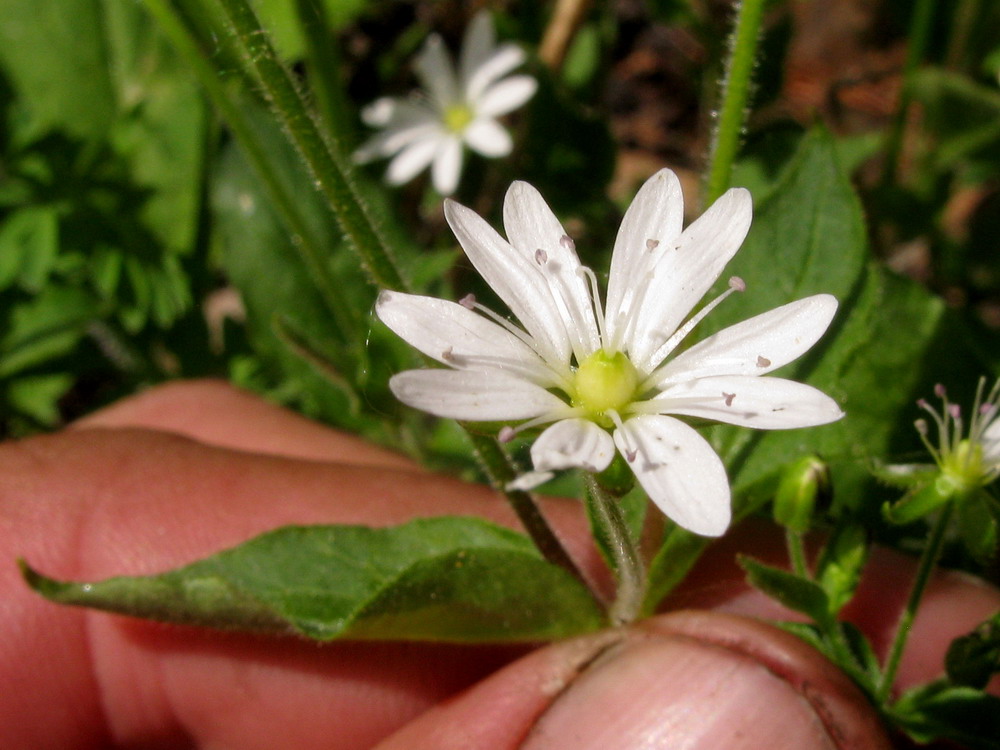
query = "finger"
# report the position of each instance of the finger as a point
(215, 412)
(696, 680)
(106, 502)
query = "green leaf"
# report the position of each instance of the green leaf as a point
(841, 564)
(29, 244)
(55, 54)
(795, 593)
(974, 658)
(49, 325)
(435, 579)
(939, 710)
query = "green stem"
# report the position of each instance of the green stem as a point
(919, 33)
(797, 553)
(927, 562)
(610, 527)
(500, 471)
(323, 61)
(309, 247)
(735, 95)
(332, 174)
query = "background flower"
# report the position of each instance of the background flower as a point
(453, 110)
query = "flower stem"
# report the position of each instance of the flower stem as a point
(308, 245)
(610, 528)
(797, 553)
(927, 562)
(500, 471)
(734, 97)
(565, 20)
(919, 33)
(332, 174)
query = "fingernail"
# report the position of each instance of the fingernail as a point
(683, 688)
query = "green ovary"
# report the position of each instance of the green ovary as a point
(457, 117)
(964, 465)
(605, 382)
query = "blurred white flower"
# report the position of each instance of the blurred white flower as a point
(602, 378)
(453, 110)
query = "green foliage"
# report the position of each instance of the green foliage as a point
(430, 579)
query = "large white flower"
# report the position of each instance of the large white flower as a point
(605, 379)
(431, 127)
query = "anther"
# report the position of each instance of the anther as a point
(631, 455)
(940, 391)
(468, 301)
(763, 361)
(506, 434)
(728, 397)
(567, 242)
(921, 425)
(735, 282)
(922, 403)
(541, 257)
(652, 244)
(955, 411)
(448, 355)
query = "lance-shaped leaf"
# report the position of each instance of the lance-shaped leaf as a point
(436, 579)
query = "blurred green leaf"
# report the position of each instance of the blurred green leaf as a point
(939, 710)
(29, 245)
(47, 326)
(437, 579)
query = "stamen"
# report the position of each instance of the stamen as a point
(728, 398)
(468, 301)
(735, 284)
(448, 355)
(652, 244)
(541, 257)
(567, 242)
(631, 452)
(940, 392)
(763, 361)
(506, 434)
(595, 296)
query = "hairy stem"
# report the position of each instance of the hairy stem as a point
(610, 527)
(736, 84)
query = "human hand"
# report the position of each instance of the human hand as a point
(124, 492)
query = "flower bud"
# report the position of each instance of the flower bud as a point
(803, 482)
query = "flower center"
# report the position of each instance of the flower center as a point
(605, 382)
(457, 117)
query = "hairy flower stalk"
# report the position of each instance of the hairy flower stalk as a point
(456, 109)
(604, 377)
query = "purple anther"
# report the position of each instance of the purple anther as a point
(728, 397)
(506, 434)
(763, 361)
(735, 282)
(652, 244)
(541, 257)
(468, 301)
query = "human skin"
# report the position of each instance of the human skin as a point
(184, 470)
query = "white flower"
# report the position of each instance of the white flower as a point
(968, 459)
(455, 110)
(604, 379)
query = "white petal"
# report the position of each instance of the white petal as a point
(535, 232)
(488, 137)
(501, 61)
(447, 165)
(458, 337)
(395, 139)
(436, 72)
(990, 440)
(379, 113)
(685, 271)
(651, 223)
(757, 345)
(679, 471)
(573, 443)
(474, 396)
(412, 160)
(764, 403)
(515, 279)
(529, 480)
(505, 96)
(477, 45)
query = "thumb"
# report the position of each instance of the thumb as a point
(689, 679)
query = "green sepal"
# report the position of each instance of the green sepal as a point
(448, 579)
(841, 564)
(920, 501)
